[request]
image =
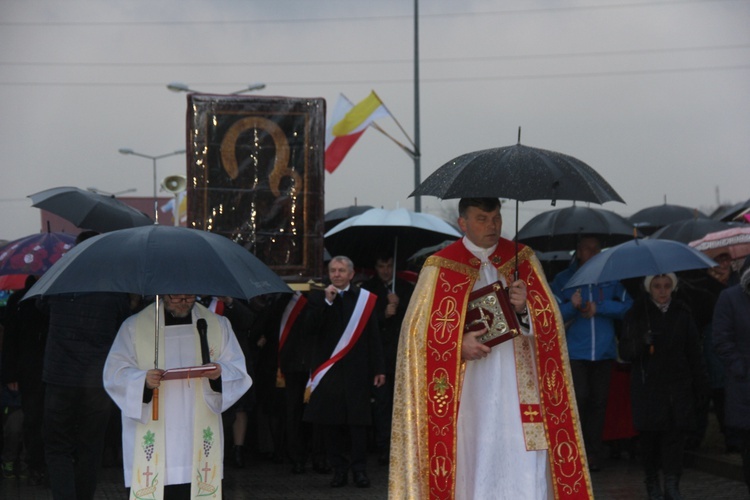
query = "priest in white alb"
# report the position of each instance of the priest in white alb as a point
(172, 436)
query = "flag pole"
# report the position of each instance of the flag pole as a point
(416, 143)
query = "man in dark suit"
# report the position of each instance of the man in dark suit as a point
(393, 295)
(347, 360)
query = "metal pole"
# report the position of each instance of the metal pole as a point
(417, 148)
(156, 202)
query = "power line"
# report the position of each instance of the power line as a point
(396, 17)
(297, 83)
(428, 60)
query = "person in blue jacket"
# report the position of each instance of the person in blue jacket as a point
(590, 314)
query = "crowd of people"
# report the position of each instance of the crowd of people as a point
(373, 363)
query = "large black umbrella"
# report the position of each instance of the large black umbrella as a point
(689, 230)
(735, 212)
(156, 260)
(561, 229)
(518, 172)
(89, 210)
(650, 219)
(338, 215)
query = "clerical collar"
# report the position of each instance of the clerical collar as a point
(482, 253)
(170, 320)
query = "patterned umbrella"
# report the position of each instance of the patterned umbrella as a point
(735, 241)
(34, 254)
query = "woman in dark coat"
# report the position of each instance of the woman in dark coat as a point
(732, 343)
(661, 340)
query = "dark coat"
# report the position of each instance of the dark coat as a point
(390, 328)
(343, 394)
(666, 380)
(732, 343)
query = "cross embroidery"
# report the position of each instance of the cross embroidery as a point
(206, 469)
(147, 474)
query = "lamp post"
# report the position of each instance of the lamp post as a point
(127, 151)
(181, 87)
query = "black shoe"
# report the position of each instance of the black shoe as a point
(298, 468)
(361, 480)
(339, 479)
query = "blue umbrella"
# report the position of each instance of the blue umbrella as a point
(639, 258)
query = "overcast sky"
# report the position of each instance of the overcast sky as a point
(654, 95)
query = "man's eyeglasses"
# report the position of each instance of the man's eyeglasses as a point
(181, 298)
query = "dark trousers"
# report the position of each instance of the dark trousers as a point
(32, 402)
(591, 383)
(75, 421)
(383, 413)
(303, 438)
(662, 450)
(339, 439)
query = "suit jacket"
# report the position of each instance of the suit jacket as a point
(343, 394)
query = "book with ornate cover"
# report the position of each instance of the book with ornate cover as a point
(490, 307)
(187, 372)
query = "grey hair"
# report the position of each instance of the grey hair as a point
(344, 259)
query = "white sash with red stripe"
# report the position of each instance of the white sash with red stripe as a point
(291, 312)
(362, 310)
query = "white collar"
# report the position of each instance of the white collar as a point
(482, 253)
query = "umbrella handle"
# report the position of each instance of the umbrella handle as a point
(155, 405)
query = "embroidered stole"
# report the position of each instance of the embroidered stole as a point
(362, 310)
(547, 404)
(147, 481)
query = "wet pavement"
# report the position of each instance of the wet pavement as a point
(711, 475)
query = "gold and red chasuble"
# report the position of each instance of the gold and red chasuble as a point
(548, 415)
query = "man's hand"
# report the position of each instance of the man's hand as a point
(576, 299)
(392, 307)
(215, 373)
(517, 293)
(331, 293)
(471, 348)
(153, 378)
(379, 380)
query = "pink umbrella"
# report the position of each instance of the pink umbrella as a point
(734, 241)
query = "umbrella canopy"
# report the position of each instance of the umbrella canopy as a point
(89, 210)
(562, 229)
(34, 254)
(639, 258)
(689, 230)
(735, 212)
(339, 215)
(364, 237)
(735, 241)
(650, 219)
(518, 172)
(156, 260)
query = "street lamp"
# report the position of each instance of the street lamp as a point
(182, 87)
(127, 151)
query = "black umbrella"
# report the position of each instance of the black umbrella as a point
(337, 215)
(520, 173)
(689, 230)
(734, 212)
(649, 219)
(156, 260)
(561, 229)
(89, 210)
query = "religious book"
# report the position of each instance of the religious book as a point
(489, 307)
(186, 372)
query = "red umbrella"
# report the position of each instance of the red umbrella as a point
(13, 281)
